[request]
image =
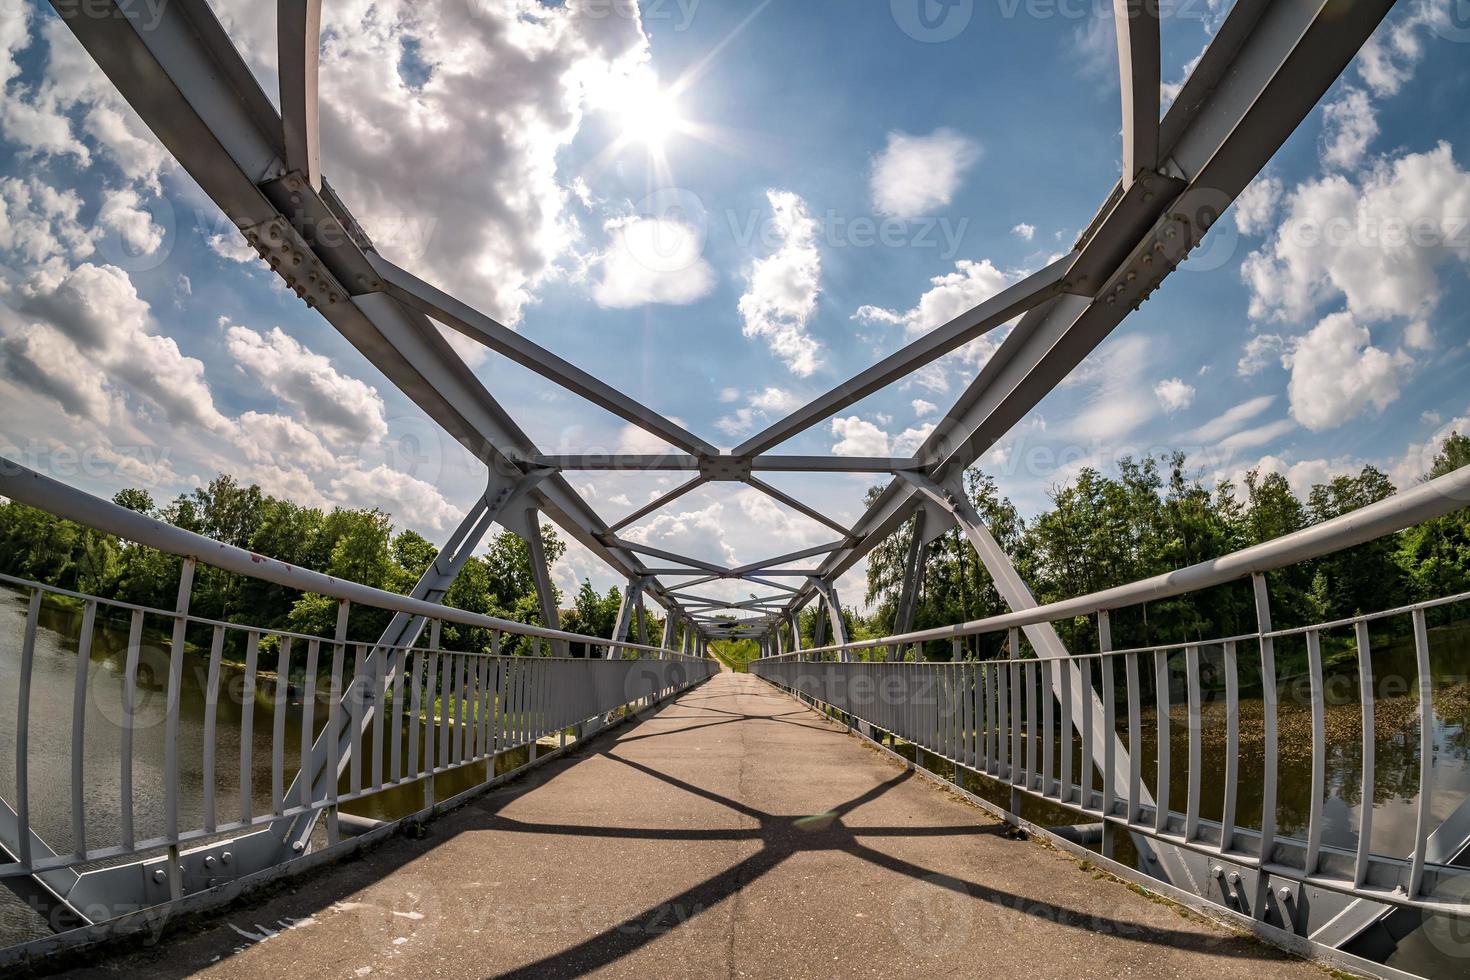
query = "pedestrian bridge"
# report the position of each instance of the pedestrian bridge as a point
(730, 832)
(553, 804)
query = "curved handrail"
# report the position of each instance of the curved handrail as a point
(1434, 498)
(25, 485)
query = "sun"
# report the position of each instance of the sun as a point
(648, 115)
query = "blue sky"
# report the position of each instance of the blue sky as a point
(725, 209)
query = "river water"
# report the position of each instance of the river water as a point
(1394, 803)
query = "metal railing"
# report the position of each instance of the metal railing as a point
(1075, 732)
(408, 714)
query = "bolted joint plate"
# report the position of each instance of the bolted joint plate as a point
(288, 256)
(725, 469)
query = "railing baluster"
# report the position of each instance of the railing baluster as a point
(1032, 723)
(1004, 757)
(1365, 808)
(380, 697)
(278, 728)
(1426, 753)
(356, 708)
(1162, 707)
(308, 719)
(1047, 683)
(1319, 751)
(23, 732)
(211, 713)
(431, 713)
(1268, 724)
(1084, 669)
(247, 727)
(172, 704)
(334, 722)
(415, 714)
(125, 747)
(1016, 673)
(1064, 734)
(1135, 738)
(1232, 747)
(1196, 726)
(395, 718)
(988, 719)
(78, 731)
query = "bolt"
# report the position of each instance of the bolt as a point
(1284, 894)
(160, 875)
(1234, 878)
(298, 846)
(1217, 871)
(209, 861)
(226, 857)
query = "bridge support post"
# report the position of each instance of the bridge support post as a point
(1161, 860)
(833, 607)
(913, 576)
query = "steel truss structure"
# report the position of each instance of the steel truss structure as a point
(1267, 66)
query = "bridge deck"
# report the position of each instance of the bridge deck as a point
(732, 834)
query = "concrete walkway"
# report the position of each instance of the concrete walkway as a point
(733, 834)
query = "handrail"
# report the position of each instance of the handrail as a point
(25, 485)
(1434, 498)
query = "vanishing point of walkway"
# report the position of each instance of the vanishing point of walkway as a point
(731, 834)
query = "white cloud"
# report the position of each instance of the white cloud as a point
(1255, 208)
(1257, 437)
(136, 228)
(1174, 394)
(347, 408)
(398, 493)
(233, 246)
(458, 175)
(1419, 335)
(697, 533)
(1260, 351)
(89, 327)
(1229, 421)
(652, 260)
(782, 293)
(1118, 396)
(1301, 476)
(907, 442)
(1387, 61)
(1336, 374)
(916, 174)
(1378, 243)
(729, 395)
(636, 441)
(858, 437)
(775, 400)
(39, 222)
(950, 295)
(922, 408)
(1024, 231)
(1348, 126)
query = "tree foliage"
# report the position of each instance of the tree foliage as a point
(1153, 518)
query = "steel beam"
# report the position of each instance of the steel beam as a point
(298, 45)
(657, 504)
(1137, 23)
(449, 311)
(1004, 305)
